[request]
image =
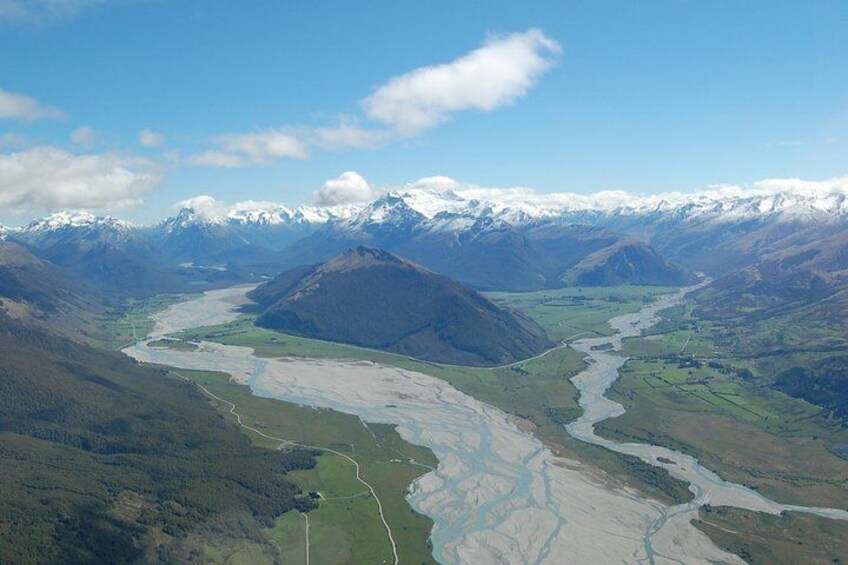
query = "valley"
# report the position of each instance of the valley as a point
(404, 398)
(484, 384)
(703, 383)
(684, 390)
(455, 283)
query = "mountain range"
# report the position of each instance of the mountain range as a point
(507, 242)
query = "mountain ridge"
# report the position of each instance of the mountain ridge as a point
(512, 242)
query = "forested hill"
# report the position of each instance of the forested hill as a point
(373, 298)
(105, 461)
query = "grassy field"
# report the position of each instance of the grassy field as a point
(345, 528)
(775, 540)
(116, 330)
(682, 390)
(573, 312)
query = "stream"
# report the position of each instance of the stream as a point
(706, 485)
(498, 495)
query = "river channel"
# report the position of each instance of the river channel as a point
(498, 495)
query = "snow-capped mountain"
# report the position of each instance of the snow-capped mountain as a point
(249, 229)
(491, 238)
(76, 219)
(455, 210)
(263, 214)
(206, 211)
(79, 225)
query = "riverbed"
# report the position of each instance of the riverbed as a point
(498, 495)
(706, 485)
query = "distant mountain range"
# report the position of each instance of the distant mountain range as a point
(506, 243)
(372, 298)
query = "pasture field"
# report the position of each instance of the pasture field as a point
(346, 526)
(682, 389)
(574, 312)
(777, 540)
(115, 331)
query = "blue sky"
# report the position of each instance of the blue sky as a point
(266, 100)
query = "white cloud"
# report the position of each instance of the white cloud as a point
(788, 143)
(204, 205)
(14, 106)
(49, 178)
(436, 183)
(13, 140)
(148, 138)
(500, 72)
(43, 11)
(346, 134)
(84, 136)
(263, 147)
(215, 159)
(249, 149)
(211, 208)
(347, 188)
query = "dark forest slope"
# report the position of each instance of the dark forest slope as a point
(372, 298)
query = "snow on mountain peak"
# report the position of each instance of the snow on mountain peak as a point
(76, 219)
(443, 204)
(787, 198)
(431, 202)
(206, 210)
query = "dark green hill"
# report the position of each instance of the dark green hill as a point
(626, 262)
(787, 314)
(106, 461)
(374, 299)
(38, 293)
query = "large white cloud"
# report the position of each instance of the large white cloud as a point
(14, 106)
(496, 74)
(49, 178)
(348, 188)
